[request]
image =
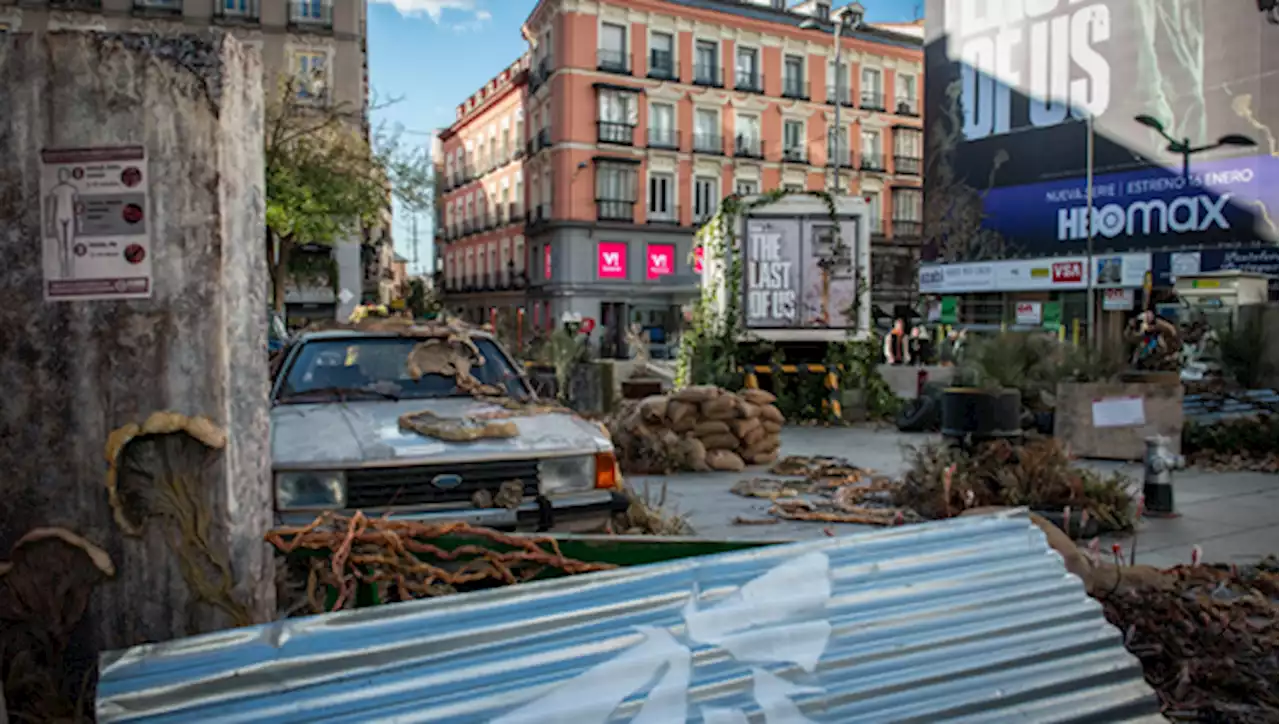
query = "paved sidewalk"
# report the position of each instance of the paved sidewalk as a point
(1233, 517)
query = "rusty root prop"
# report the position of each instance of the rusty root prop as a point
(804, 510)
(386, 553)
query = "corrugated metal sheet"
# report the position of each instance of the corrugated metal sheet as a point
(973, 619)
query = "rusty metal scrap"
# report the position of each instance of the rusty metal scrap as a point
(395, 556)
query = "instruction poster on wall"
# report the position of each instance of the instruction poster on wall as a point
(1118, 412)
(95, 228)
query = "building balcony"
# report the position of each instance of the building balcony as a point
(872, 162)
(840, 157)
(668, 138)
(840, 93)
(748, 81)
(907, 229)
(613, 61)
(311, 15)
(157, 7)
(907, 165)
(669, 216)
(539, 214)
(907, 107)
(748, 147)
(794, 88)
(662, 65)
(615, 210)
(544, 138)
(710, 76)
(708, 143)
(795, 154)
(237, 12)
(872, 101)
(619, 134)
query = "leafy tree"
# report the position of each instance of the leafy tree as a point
(326, 181)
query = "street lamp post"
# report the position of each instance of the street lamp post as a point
(843, 19)
(1091, 316)
(1185, 149)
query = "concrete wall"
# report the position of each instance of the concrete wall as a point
(75, 371)
(350, 276)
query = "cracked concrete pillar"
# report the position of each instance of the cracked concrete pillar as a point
(139, 287)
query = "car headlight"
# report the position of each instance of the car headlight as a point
(311, 490)
(567, 475)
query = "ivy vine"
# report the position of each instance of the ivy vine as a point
(709, 348)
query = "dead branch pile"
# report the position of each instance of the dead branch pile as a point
(944, 480)
(1207, 641)
(648, 515)
(699, 429)
(837, 492)
(401, 561)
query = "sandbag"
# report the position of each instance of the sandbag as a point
(769, 413)
(773, 428)
(721, 408)
(695, 455)
(725, 460)
(766, 444)
(753, 436)
(749, 411)
(742, 427)
(720, 442)
(698, 393)
(767, 458)
(711, 427)
(677, 411)
(686, 424)
(653, 408)
(759, 397)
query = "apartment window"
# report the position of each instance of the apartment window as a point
(872, 90)
(519, 198)
(747, 137)
(748, 70)
(706, 131)
(838, 146)
(872, 154)
(311, 11)
(706, 68)
(662, 197)
(873, 210)
(793, 188)
(311, 71)
(506, 144)
(617, 119)
(908, 212)
(615, 190)
(547, 189)
(748, 187)
(793, 77)
(905, 101)
(793, 140)
(907, 151)
(706, 198)
(823, 11)
(612, 54)
(505, 206)
(493, 152)
(662, 125)
(838, 90)
(662, 56)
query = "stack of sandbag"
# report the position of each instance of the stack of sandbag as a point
(699, 428)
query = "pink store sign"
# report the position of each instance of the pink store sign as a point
(697, 260)
(661, 260)
(611, 260)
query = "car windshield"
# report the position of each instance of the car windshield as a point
(376, 368)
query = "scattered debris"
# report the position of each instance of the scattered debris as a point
(647, 516)
(768, 488)
(697, 428)
(840, 493)
(461, 429)
(398, 558)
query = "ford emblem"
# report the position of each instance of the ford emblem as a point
(447, 482)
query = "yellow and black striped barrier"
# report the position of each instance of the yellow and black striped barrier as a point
(830, 373)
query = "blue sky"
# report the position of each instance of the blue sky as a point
(432, 54)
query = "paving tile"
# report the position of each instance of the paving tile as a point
(1243, 511)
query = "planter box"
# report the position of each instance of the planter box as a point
(1073, 421)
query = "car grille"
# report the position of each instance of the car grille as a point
(410, 486)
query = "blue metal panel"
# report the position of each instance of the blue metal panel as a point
(973, 619)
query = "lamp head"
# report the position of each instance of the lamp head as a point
(1235, 139)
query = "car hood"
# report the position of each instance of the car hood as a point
(350, 434)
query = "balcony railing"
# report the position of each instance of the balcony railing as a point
(795, 154)
(872, 162)
(840, 93)
(906, 106)
(872, 101)
(311, 14)
(664, 138)
(538, 214)
(794, 88)
(666, 217)
(622, 134)
(662, 65)
(841, 156)
(613, 61)
(909, 165)
(708, 143)
(748, 147)
(749, 81)
(615, 210)
(708, 75)
(907, 229)
(878, 227)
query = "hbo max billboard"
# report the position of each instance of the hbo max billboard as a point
(1009, 84)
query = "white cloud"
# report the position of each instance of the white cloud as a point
(434, 9)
